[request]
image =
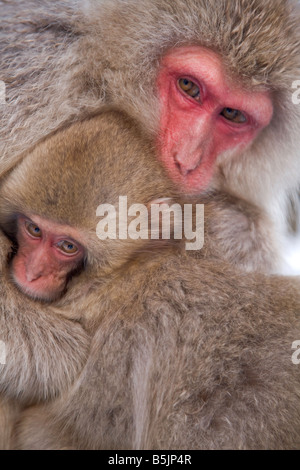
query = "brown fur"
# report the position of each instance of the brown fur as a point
(9, 413)
(196, 357)
(189, 353)
(44, 351)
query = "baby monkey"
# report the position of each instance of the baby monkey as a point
(48, 254)
(48, 206)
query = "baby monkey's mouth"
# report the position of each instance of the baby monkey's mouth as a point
(38, 289)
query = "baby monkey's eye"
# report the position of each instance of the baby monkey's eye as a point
(67, 247)
(190, 88)
(234, 115)
(32, 229)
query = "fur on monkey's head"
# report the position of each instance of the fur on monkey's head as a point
(259, 40)
(92, 162)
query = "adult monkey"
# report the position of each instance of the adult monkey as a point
(230, 74)
(188, 353)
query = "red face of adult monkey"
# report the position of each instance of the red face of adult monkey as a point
(214, 82)
(204, 114)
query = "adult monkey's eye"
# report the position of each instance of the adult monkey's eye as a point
(190, 88)
(234, 115)
(67, 247)
(33, 229)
